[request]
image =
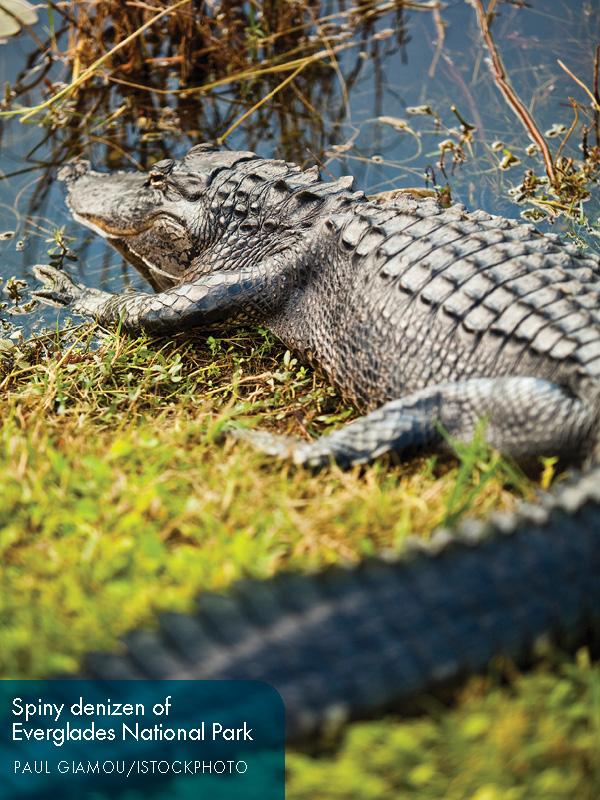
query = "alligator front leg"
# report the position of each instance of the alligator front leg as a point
(526, 418)
(246, 294)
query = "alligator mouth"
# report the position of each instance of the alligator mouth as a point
(114, 205)
(101, 227)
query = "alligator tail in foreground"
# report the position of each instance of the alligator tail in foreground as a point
(350, 642)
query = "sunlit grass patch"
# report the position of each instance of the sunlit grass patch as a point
(536, 738)
(121, 496)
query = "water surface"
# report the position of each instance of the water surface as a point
(356, 116)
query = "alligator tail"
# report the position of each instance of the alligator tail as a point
(349, 642)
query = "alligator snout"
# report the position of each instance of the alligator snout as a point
(114, 204)
(70, 172)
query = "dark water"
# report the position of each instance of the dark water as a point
(343, 115)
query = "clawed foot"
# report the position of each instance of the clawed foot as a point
(353, 445)
(59, 289)
(272, 444)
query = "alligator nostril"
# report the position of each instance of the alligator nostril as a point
(71, 172)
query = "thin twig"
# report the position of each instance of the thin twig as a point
(320, 163)
(117, 148)
(456, 76)
(250, 111)
(246, 74)
(509, 93)
(569, 132)
(311, 109)
(595, 104)
(50, 13)
(115, 115)
(596, 95)
(335, 65)
(440, 26)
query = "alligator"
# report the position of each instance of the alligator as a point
(353, 641)
(427, 319)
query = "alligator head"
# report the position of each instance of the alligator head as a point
(160, 220)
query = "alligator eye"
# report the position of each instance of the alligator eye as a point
(156, 179)
(159, 171)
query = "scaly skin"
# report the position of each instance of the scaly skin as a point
(419, 316)
(349, 642)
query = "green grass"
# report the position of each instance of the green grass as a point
(121, 497)
(536, 739)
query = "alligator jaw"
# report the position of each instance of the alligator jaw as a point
(114, 205)
(100, 229)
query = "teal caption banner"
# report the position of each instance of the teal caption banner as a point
(84, 739)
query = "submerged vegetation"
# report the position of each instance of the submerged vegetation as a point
(566, 184)
(121, 494)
